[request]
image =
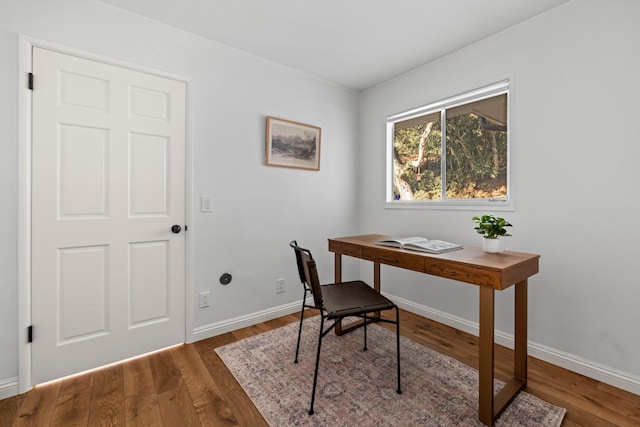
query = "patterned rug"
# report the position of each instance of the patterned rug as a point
(357, 388)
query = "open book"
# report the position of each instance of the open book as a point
(420, 244)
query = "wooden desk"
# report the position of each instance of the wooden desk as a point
(470, 265)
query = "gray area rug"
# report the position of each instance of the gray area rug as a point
(357, 388)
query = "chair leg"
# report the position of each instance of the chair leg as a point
(315, 375)
(304, 297)
(398, 346)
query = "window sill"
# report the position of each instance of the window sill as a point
(475, 205)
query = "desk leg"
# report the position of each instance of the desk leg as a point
(376, 282)
(521, 339)
(337, 268)
(490, 406)
(337, 278)
(485, 371)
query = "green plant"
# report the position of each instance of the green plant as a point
(491, 227)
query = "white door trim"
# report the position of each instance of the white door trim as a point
(26, 45)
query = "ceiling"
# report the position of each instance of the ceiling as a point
(353, 43)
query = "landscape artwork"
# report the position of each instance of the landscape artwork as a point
(292, 144)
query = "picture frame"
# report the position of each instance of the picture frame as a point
(292, 144)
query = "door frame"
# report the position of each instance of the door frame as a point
(25, 120)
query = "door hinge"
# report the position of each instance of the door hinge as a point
(30, 81)
(30, 333)
(185, 228)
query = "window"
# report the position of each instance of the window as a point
(454, 152)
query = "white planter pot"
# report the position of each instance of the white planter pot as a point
(491, 245)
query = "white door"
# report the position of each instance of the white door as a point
(108, 184)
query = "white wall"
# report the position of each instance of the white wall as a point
(8, 209)
(575, 170)
(257, 210)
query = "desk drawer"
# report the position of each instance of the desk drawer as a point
(463, 273)
(345, 249)
(395, 258)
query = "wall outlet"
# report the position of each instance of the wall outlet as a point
(280, 286)
(204, 299)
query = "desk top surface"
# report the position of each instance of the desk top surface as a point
(470, 264)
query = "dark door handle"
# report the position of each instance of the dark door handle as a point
(176, 229)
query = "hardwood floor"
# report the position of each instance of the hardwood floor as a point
(189, 385)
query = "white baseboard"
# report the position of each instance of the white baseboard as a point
(623, 380)
(599, 372)
(8, 387)
(222, 327)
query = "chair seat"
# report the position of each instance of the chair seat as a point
(351, 299)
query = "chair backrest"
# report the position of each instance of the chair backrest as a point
(308, 272)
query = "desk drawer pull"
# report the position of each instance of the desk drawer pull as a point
(387, 259)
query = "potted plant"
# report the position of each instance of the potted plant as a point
(491, 228)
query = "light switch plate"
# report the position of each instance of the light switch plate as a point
(206, 204)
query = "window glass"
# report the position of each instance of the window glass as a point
(416, 159)
(454, 150)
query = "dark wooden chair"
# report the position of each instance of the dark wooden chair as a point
(336, 301)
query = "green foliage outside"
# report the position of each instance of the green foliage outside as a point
(476, 161)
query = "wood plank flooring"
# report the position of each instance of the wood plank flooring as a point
(189, 385)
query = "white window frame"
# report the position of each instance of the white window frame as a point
(504, 86)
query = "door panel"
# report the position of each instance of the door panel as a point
(82, 161)
(149, 288)
(149, 174)
(108, 182)
(81, 301)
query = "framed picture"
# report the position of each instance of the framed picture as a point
(292, 144)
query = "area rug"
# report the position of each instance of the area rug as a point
(357, 388)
